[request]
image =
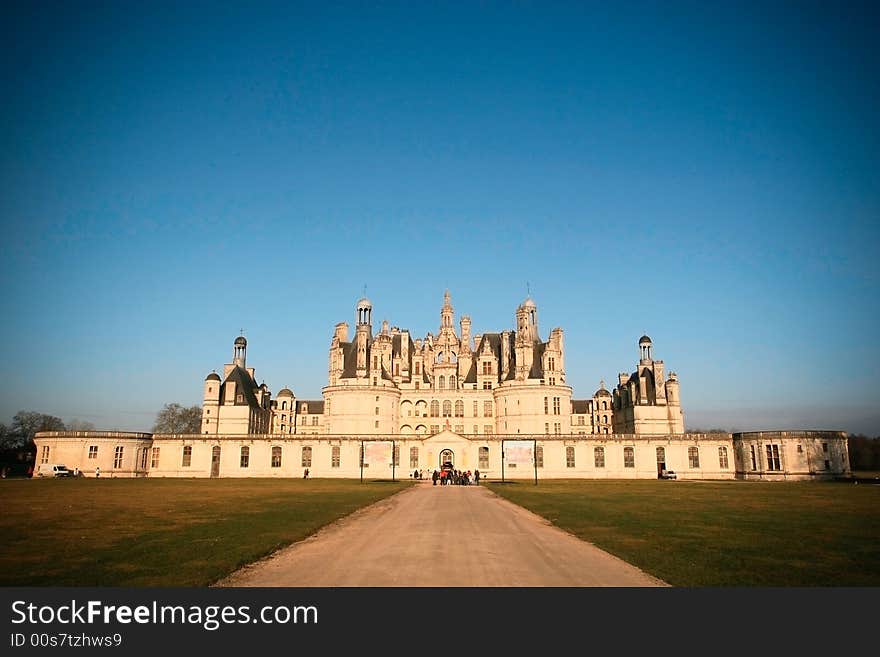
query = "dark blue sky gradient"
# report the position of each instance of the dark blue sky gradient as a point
(709, 175)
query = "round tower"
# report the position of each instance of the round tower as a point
(211, 403)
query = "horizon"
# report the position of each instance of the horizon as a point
(173, 175)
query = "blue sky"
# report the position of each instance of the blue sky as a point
(171, 174)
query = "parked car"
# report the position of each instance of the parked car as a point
(53, 470)
(668, 474)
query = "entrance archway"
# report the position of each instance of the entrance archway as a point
(447, 459)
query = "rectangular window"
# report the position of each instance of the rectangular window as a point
(487, 429)
(569, 457)
(629, 457)
(396, 456)
(459, 428)
(825, 447)
(276, 457)
(245, 458)
(476, 409)
(557, 428)
(435, 428)
(599, 457)
(476, 429)
(334, 456)
(187, 456)
(773, 462)
(581, 420)
(315, 421)
(93, 451)
(547, 428)
(144, 459)
(800, 449)
(413, 457)
(484, 458)
(827, 464)
(546, 406)
(487, 385)
(487, 409)
(154, 462)
(117, 456)
(754, 461)
(44, 454)
(722, 458)
(539, 456)
(307, 457)
(694, 457)
(556, 406)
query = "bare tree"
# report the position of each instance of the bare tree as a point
(174, 418)
(25, 424)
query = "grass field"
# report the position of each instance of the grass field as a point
(731, 533)
(160, 532)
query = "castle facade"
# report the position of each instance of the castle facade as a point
(476, 401)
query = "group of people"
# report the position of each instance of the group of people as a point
(446, 477)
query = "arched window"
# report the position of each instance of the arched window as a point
(459, 408)
(452, 382)
(447, 408)
(604, 405)
(413, 457)
(439, 357)
(484, 458)
(284, 406)
(441, 382)
(435, 408)
(604, 419)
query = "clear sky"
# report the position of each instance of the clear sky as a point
(171, 174)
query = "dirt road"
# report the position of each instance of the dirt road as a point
(441, 536)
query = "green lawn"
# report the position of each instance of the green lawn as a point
(160, 532)
(731, 533)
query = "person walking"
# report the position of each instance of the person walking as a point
(477, 477)
(434, 477)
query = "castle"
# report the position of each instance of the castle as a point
(453, 399)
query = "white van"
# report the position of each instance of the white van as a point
(53, 470)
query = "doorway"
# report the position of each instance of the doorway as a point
(447, 459)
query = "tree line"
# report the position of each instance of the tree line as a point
(19, 434)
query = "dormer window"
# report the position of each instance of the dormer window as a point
(239, 398)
